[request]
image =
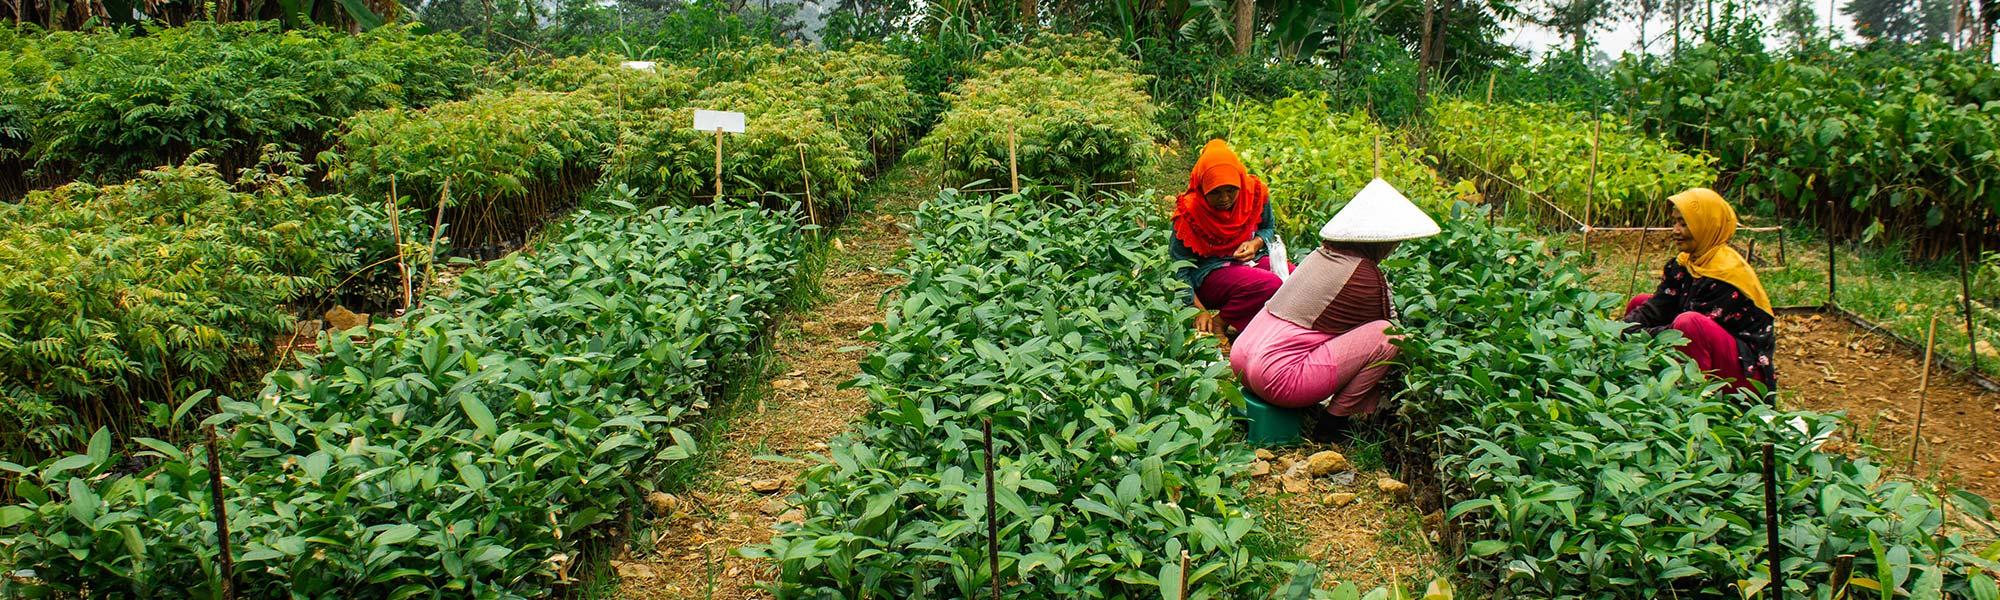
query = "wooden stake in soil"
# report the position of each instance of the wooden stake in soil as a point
(1830, 289)
(437, 226)
(1965, 299)
(1923, 392)
(228, 560)
(1771, 521)
(992, 520)
(1590, 194)
(1843, 567)
(811, 213)
(396, 231)
(1489, 85)
(1013, 161)
(1378, 156)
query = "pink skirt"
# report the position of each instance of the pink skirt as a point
(1295, 367)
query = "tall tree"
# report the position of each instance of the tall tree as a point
(1901, 20)
(1797, 20)
(1246, 25)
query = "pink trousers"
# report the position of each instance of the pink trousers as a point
(1709, 345)
(1295, 367)
(1238, 291)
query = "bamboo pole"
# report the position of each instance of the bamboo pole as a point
(718, 163)
(812, 214)
(1590, 193)
(437, 227)
(1489, 85)
(992, 520)
(1775, 546)
(1830, 277)
(227, 560)
(396, 230)
(1843, 568)
(1965, 299)
(1923, 392)
(1013, 161)
(1378, 156)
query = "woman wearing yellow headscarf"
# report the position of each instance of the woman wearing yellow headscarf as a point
(1710, 294)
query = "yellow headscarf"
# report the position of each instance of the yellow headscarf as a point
(1711, 222)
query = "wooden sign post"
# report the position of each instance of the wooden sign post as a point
(719, 122)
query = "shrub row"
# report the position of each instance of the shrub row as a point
(1076, 108)
(1315, 160)
(1547, 149)
(823, 116)
(466, 450)
(1112, 445)
(1899, 139)
(123, 297)
(511, 158)
(101, 106)
(1587, 463)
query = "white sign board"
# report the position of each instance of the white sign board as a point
(712, 120)
(639, 65)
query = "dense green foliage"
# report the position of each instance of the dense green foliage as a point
(510, 158)
(1585, 462)
(1546, 149)
(1079, 111)
(834, 112)
(1315, 160)
(101, 106)
(464, 451)
(1112, 442)
(1899, 139)
(120, 298)
(631, 91)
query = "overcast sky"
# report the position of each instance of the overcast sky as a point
(1624, 37)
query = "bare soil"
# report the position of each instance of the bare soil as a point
(1826, 363)
(1374, 539)
(743, 496)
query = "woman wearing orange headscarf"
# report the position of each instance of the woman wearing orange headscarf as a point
(1222, 224)
(1710, 294)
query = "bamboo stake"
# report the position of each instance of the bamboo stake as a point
(228, 560)
(1378, 156)
(1923, 392)
(811, 213)
(1830, 278)
(1489, 85)
(718, 163)
(396, 229)
(1590, 193)
(992, 520)
(1965, 298)
(1013, 161)
(437, 227)
(1777, 551)
(1843, 568)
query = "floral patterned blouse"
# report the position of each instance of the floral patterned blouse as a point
(1681, 291)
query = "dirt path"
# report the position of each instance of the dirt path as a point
(1356, 532)
(742, 494)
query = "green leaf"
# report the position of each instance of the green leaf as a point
(477, 412)
(396, 534)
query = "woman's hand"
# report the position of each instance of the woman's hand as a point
(1210, 322)
(1247, 251)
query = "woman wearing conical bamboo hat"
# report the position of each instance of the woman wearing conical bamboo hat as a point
(1322, 339)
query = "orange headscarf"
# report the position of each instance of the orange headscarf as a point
(1210, 232)
(1711, 222)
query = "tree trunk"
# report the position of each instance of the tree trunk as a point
(1424, 42)
(1029, 18)
(1246, 21)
